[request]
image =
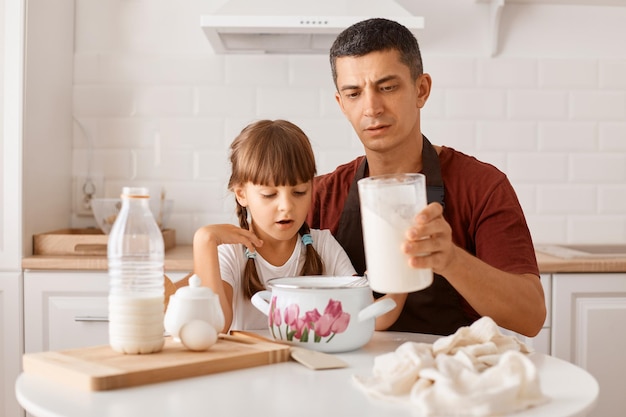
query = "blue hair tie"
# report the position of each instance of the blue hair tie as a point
(250, 255)
(307, 239)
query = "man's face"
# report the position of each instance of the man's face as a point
(379, 98)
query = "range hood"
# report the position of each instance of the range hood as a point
(293, 26)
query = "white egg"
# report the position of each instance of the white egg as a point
(197, 335)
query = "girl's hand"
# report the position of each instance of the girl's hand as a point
(206, 260)
(219, 234)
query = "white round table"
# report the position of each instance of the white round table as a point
(286, 389)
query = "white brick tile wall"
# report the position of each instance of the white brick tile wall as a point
(157, 164)
(144, 68)
(103, 101)
(571, 198)
(596, 229)
(110, 164)
(475, 103)
(537, 105)
(257, 70)
(436, 106)
(527, 196)
(598, 168)
(155, 106)
(568, 73)
(328, 161)
(460, 135)
(537, 167)
(497, 159)
(226, 101)
(234, 125)
(330, 135)
(572, 136)
(612, 199)
(95, 23)
(210, 165)
(287, 102)
(126, 132)
(309, 71)
(612, 136)
(189, 68)
(329, 108)
(166, 101)
(451, 72)
(598, 105)
(548, 228)
(507, 73)
(201, 196)
(507, 136)
(192, 133)
(611, 74)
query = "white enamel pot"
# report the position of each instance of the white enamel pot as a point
(321, 313)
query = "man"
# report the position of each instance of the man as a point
(474, 230)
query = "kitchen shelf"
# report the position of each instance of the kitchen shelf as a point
(568, 2)
(496, 7)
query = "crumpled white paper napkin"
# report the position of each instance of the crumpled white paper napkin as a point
(477, 371)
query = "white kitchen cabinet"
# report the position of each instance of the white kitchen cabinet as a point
(541, 342)
(64, 310)
(36, 73)
(589, 330)
(67, 309)
(10, 342)
(11, 118)
(10, 139)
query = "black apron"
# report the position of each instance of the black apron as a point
(433, 310)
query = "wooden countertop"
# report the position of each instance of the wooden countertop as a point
(179, 258)
(550, 264)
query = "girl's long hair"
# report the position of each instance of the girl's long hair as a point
(277, 153)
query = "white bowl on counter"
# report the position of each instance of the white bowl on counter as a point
(105, 211)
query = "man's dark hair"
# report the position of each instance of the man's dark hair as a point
(373, 35)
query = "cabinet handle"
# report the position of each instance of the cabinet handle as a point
(91, 318)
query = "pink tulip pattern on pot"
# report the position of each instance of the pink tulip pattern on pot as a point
(317, 309)
(311, 324)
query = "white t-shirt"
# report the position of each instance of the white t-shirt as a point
(233, 261)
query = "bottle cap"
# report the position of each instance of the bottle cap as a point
(135, 192)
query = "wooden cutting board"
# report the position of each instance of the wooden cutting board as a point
(100, 368)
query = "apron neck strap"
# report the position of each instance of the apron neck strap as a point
(349, 233)
(431, 168)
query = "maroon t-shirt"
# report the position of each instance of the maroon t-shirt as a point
(480, 205)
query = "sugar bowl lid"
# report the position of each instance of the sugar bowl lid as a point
(195, 290)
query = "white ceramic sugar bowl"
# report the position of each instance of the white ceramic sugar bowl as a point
(189, 311)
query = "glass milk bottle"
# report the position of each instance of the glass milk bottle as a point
(136, 290)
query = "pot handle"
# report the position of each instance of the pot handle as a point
(377, 308)
(261, 300)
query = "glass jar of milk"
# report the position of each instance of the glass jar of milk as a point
(136, 291)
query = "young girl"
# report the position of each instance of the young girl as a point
(272, 170)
